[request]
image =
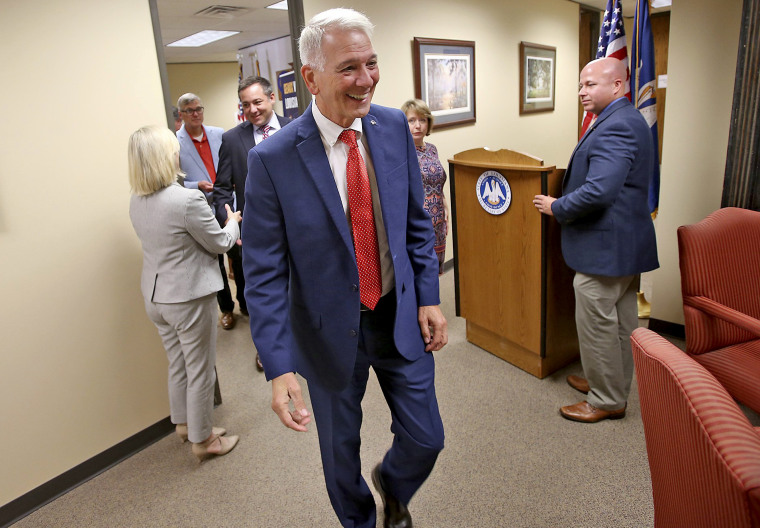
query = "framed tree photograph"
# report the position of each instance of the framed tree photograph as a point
(444, 77)
(538, 68)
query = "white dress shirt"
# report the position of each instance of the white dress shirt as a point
(258, 134)
(337, 156)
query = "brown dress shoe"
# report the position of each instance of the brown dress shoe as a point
(587, 413)
(578, 383)
(259, 366)
(228, 320)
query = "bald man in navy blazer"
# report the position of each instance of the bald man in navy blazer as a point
(607, 237)
(303, 286)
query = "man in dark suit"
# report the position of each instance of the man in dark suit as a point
(257, 98)
(607, 237)
(341, 274)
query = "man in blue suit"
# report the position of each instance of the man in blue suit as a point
(199, 158)
(308, 304)
(607, 237)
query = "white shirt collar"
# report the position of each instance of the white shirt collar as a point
(274, 123)
(329, 130)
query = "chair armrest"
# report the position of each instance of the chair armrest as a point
(724, 313)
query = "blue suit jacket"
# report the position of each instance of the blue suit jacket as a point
(298, 255)
(190, 161)
(606, 226)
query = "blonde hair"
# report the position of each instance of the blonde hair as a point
(153, 162)
(419, 107)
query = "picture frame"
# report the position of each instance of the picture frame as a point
(444, 77)
(538, 73)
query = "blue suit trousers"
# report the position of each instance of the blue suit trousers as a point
(408, 387)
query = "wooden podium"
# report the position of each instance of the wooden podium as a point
(512, 284)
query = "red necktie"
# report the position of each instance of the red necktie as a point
(362, 223)
(265, 132)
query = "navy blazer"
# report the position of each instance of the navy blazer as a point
(298, 255)
(233, 168)
(190, 161)
(606, 226)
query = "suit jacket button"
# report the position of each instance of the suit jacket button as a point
(352, 333)
(354, 288)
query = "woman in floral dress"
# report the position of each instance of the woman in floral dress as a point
(420, 121)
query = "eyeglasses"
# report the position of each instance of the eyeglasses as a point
(190, 111)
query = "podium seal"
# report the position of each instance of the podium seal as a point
(494, 193)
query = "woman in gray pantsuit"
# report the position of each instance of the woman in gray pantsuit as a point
(181, 240)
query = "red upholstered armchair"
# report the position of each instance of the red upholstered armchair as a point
(704, 456)
(720, 282)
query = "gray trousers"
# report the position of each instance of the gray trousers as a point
(606, 314)
(188, 331)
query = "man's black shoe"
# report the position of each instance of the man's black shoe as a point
(396, 514)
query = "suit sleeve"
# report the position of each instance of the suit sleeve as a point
(190, 184)
(202, 226)
(610, 158)
(267, 272)
(222, 193)
(420, 238)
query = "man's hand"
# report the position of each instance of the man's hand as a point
(433, 326)
(285, 389)
(544, 204)
(206, 186)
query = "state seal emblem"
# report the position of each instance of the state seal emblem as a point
(494, 193)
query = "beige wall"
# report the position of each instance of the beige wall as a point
(214, 82)
(697, 117)
(81, 367)
(497, 29)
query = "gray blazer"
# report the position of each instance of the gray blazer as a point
(181, 240)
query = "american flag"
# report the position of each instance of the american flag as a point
(611, 44)
(239, 115)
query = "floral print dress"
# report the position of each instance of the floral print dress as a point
(433, 178)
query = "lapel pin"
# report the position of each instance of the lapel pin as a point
(373, 122)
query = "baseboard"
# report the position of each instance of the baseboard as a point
(54, 488)
(668, 328)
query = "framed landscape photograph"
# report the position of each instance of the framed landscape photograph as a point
(538, 68)
(444, 77)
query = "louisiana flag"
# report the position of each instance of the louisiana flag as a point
(643, 88)
(611, 44)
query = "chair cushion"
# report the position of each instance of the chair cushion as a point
(737, 368)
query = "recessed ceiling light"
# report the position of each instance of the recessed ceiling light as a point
(279, 5)
(202, 38)
(661, 3)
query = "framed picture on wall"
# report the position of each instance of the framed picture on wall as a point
(444, 77)
(538, 68)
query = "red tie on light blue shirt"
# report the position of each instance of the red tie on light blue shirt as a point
(362, 223)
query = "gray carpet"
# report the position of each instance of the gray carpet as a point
(510, 459)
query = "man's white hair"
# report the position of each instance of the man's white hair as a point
(343, 19)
